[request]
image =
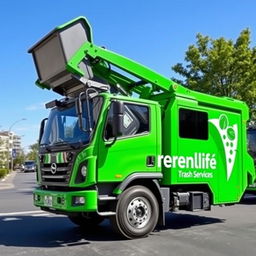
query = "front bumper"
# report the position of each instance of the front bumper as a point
(65, 201)
(29, 170)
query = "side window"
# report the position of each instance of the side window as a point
(193, 124)
(69, 124)
(135, 120)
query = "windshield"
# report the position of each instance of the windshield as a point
(62, 126)
(29, 163)
(251, 135)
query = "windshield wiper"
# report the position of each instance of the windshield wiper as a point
(46, 146)
(63, 143)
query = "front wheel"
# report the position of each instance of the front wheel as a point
(137, 212)
(86, 220)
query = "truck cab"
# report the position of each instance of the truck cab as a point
(99, 144)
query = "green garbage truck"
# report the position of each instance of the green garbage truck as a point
(129, 144)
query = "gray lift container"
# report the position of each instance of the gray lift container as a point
(52, 53)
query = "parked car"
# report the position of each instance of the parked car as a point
(29, 166)
(19, 167)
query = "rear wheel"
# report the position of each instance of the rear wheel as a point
(137, 212)
(86, 220)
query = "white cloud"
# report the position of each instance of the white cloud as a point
(34, 127)
(36, 106)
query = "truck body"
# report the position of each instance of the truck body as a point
(251, 140)
(129, 144)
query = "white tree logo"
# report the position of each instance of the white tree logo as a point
(229, 137)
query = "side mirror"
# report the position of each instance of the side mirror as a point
(42, 126)
(118, 114)
(79, 111)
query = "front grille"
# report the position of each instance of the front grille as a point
(61, 175)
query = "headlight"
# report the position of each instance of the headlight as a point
(78, 200)
(84, 171)
(81, 174)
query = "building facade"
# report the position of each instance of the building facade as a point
(9, 142)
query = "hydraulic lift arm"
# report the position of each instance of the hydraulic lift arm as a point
(102, 60)
(67, 59)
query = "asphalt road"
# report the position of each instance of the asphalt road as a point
(25, 230)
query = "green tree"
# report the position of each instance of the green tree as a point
(3, 155)
(32, 154)
(221, 67)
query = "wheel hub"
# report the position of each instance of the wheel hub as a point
(138, 212)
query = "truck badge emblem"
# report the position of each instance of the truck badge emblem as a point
(53, 168)
(229, 137)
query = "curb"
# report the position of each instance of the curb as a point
(5, 177)
(7, 181)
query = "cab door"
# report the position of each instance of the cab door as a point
(135, 150)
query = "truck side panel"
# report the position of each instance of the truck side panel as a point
(207, 149)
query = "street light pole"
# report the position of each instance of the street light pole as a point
(8, 153)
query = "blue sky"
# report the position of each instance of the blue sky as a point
(155, 33)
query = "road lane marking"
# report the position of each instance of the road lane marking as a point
(11, 219)
(20, 213)
(26, 189)
(40, 214)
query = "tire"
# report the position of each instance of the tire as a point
(86, 220)
(137, 213)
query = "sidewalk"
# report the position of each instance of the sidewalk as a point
(7, 182)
